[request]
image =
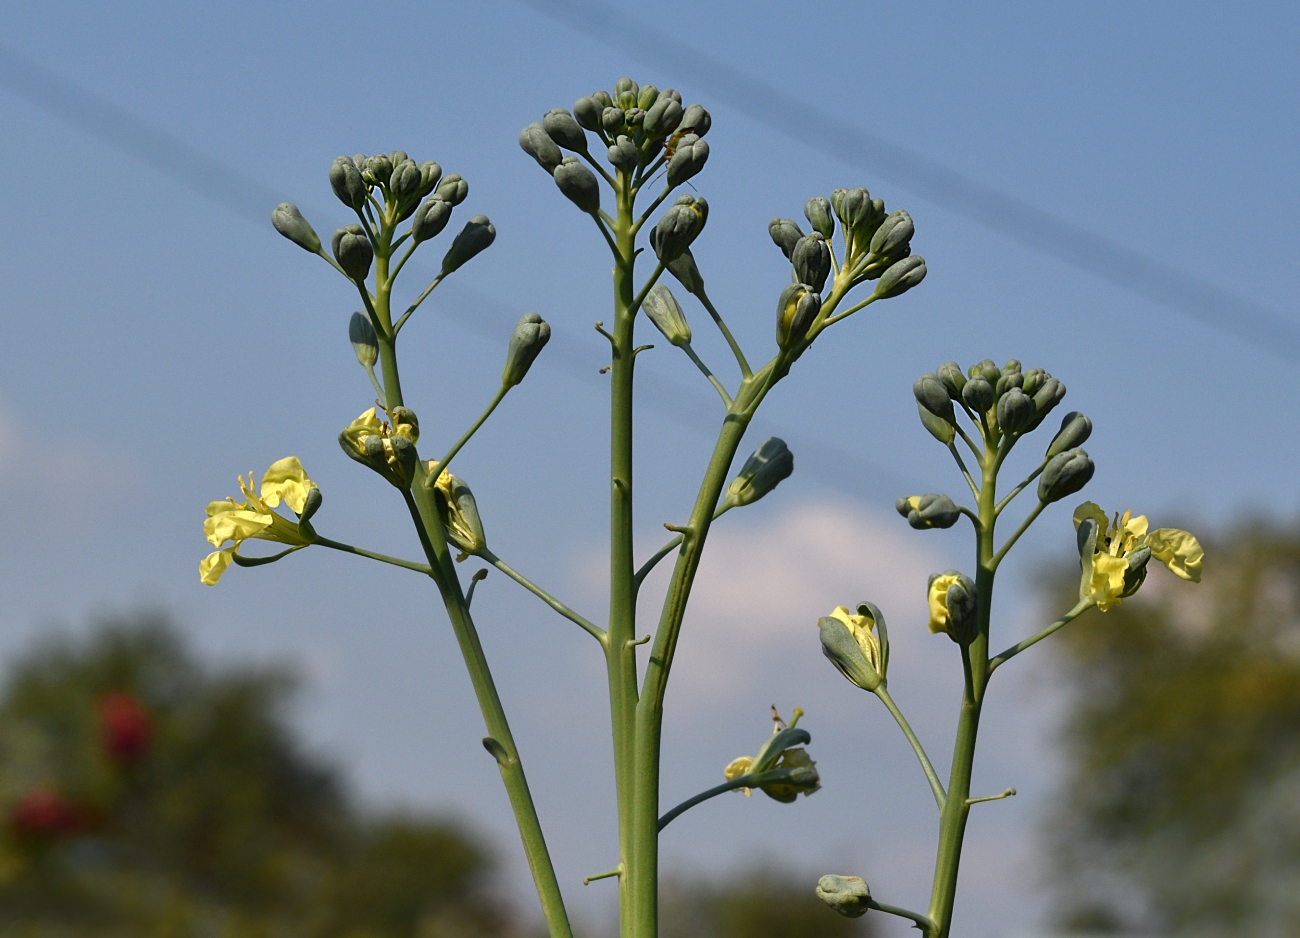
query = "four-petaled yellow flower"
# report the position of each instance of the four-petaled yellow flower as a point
(862, 628)
(229, 520)
(1118, 562)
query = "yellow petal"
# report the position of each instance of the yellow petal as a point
(938, 599)
(738, 767)
(1107, 584)
(1136, 526)
(1177, 550)
(229, 521)
(860, 627)
(214, 564)
(287, 480)
(1091, 510)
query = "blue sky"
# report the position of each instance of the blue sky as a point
(157, 343)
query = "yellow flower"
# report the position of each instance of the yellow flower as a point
(464, 528)
(776, 754)
(938, 597)
(1123, 546)
(389, 450)
(229, 520)
(862, 629)
(738, 767)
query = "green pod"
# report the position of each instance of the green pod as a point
(452, 188)
(1064, 474)
(613, 120)
(405, 180)
(666, 313)
(695, 120)
(353, 252)
(587, 112)
(818, 212)
(842, 650)
(688, 159)
(623, 154)
(1015, 411)
(430, 218)
(626, 92)
(687, 273)
(579, 184)
(785, 234)
(537, 143)
(430, 173)
(346, 181)
(932, 395)
(289, 222)
(953, 379)
(526, 343)
(900, 277)
(894, 232)
(978, 394)
(678, 227)
(564, 130)
(848, 895)
(796, 308)
(928, 511)
(811, 260)
(473, 239)
(765, 469)
(662, 118)
(1074, 432)
(361, 333)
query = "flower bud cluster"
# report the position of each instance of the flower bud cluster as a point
(1005, 402)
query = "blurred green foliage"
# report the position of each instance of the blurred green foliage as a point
(144, 795)
(1180, 805)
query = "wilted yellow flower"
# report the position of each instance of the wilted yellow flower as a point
(738, 767)
(862, 628)
(1118, 562)
(285, 481)
(389, 450)
(777, 753)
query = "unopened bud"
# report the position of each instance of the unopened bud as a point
(893, 234)
(530, 337)
(932, 395)
(1075, 430)
(785, 233)
(587, 111)
(346, 181)
(1007, 381)
(1015, 411)
(678, 227)
(613, 120)
(623, 154)
(647, 96)
(361, 333)
(986, 369)
(473, 239)
(537, 143)
(289, 222)
(353, 251)
(430, 219)
(1034, 379)
(430, 173)
(564, 130)
(851, 643)
(928, 511)
(811, 260)
(900, 277)
(453, 189)
(695, 120)
(954, 606)
(818, 212)
(953, 379)
(666, 313)
(579, 184)
(405, 180)
(626, 92)
(662, 118)
(688, 159)
(377, 170)
(1064, 474)
(687, 273)
(766, 467)
(978, 394)
(796, 308)
(847, 895)
(1046, 398)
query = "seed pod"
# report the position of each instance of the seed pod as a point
(430, 173)
(613, 120)
(687, 273)
(453, 189)
(662, 118)
(900, 277)
(624, 154)
(765, 468)
(564, 130)
(785, 233)
(796, 309)
(587, 112)
(688, 159)
(537, 143)
(928, 511)
(346, 181)
(847, 895)
(695, 120)
(678, 227)
(430, 218)
(818, 212)
(473, 239)
(978, 394)
(932, 395)
(579, 184)
(894, 232)
(405, 180)
(1064, 474)
(353, 251)
(289, 222)
(530, 337)
(361, 333)
(666, 313)
(811, 260)
(1015, 411)
(1075, 430)
(950, 374)
(626, 92)
(378, 170)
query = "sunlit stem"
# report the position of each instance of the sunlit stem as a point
(745, 371)
(924, 923)
(755, 780)
(1002, 658)
(383, 558)
(961, 431)
(931, 776)
(594, 630)
(975, 489)
(832, 320)
(645, 216)
(672, 545)
(416, 305)
(1024, 526)
(1020, 488)
(456, 448)
(1009, 793)
(704, 369)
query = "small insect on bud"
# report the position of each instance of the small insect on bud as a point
(766, 468)
(530, 337)
(346, 181)
(811, 260)
(695, 120)
(687, 273)
(796, 308)
(564, 130)
(1064, 474)
(477, 235)
(953, 379)
(666, 313)
(818, 212)
(954, 606)
(587, 111)
(688, 159)
(579, 184)
(1015, 411)
(900, 277)
(623, 154)
(537, 143)
(452, 189)
(365, 343)
(430, 218)
(289, 222)
(848, 895)
(678, 227)
(662, 117)
(785, 233)
(928, 511)
(353, 251)
(1075, 430)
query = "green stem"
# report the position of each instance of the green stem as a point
(594, 630)
(1021, 487)
(451, 453)
(923, 922)
(1003, 657)
(975, 490)
(704, 369)
(745, 371)
(384, 558)
(416, 305)
(1024, 526)
(756, 780)
(931, 775)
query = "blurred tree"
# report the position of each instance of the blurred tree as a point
(1180, 805)
(145, 796)
(758, 903)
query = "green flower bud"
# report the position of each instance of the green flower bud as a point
(430, 173)
(666, 313)
(310, 505)
(430, 218)
(626, 92)
(678, 227)
(785, 233)
(564, 130)
(634, 117)
(893, 234)
(530, 337)
(811, 259)
(603, 99)
(579, 184)
(695, 120)
(687, 274)
(397, 156)
(1064, 474)
(1012, 367)
(587, 112)
(928, 511)
(365, 343)
(1075, 430)
(1046, 398)
(377, 170)
(613, 120)
(818, 212)
(662, 118)
(989, 371)
(940, 429)
(852, 207)
(954, 606)
(624, 154)
(647, 96)
(473, 239)
(1034, 379)
(1136, 573)
(688, 159)
(670, 93)
(900, 277)
(1007, 381)
(406, 424)
(765, 468)
(289, 222)
(353, 251)
(346, 181)
(796, 309)
(405, 180)
(459, 514)
(847, 895)
(978, 394)
(1015, 411)
(932, 395)
(953, 379)
(452, 189)
(850, 643)
(401, 458)
(537, 143)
